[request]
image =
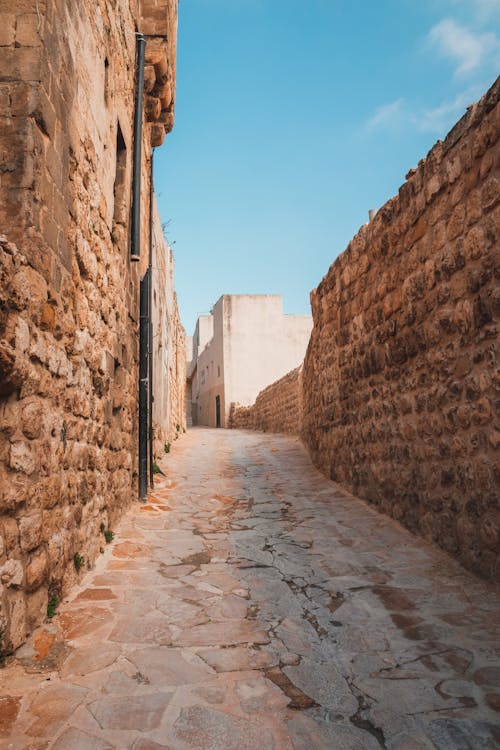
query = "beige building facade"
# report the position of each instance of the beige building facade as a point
(246, 343)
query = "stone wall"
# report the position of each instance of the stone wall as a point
(68, 291)
(169, 346)
(401, 378)
(242, 417)
(278, 408)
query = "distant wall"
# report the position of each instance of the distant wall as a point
(242, 417)
(401, 377)
(278, 408)
(169, 346)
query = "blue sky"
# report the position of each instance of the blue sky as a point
(293, 118)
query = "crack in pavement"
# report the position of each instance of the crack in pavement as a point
(219, 628)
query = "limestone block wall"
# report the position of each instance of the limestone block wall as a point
(177, 379)
(241, 417)
(169, 346)
(278, 408)
(67, 411)
(401, 377)
(68, 291)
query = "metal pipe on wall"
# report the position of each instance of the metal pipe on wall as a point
(143, 384)
(150, 328)
(135, 250)
(135, 254)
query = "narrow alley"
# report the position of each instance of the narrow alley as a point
(253, 605)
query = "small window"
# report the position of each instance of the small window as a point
(218, 371)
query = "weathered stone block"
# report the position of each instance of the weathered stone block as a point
(22, 457)
(149, 78)
(157, 134)
(456, 222)
(27, 30)
(50, 491)
(11, 375)
(432, 187)
(475, 243)
(490, 193)
(12, 573)
(36, 608)
(22, 6)
(7, 29)
(29, 289)
(16, 619)
(21, 63)
(453, 167)
(36, 569)
(152, 108)
(10, 533)
(22, 335)
(487, 164)
(30, 530)
(32, 417)
(23, 95)
(48, 317)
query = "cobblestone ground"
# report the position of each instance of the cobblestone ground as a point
(253, 605)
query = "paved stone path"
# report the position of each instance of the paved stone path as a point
(253, 605)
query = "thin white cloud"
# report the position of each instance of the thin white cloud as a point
(487, 8)
(479, 10)
(440, 118)
(400, 115)
(488, 5)
(468, 49)
(386, 116)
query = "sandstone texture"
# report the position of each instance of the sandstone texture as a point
(69, 295)
(401, 379)
(278, 408)
(400, 387)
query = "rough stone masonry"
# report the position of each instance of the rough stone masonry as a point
(401, 378)
(278, 408)
(401, 381)
(68, 292)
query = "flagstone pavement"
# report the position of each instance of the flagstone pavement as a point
(252, 604)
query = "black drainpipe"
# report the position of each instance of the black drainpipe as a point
(135, 252)
(135, 255)
(150, 271)
(143, 386)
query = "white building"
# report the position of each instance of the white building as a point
(244, 345)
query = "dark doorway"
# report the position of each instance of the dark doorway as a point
(217, 411)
